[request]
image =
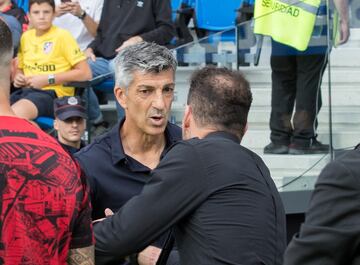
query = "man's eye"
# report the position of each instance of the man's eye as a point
(144, 91)
(168, 89)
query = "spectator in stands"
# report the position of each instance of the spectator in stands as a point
(219, 195)
(45, 210)
(118, 164)
(9, 7)
(81, 18)
(296, 78)
(331, 233)
(48, 58)
(128, 22)
(69, 123)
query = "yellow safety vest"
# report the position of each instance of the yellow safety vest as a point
(290, 22)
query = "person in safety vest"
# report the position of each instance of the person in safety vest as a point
(298, 61)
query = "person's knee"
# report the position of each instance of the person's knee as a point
(26, 109)
(99, 67)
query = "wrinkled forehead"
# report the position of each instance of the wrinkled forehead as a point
(160, 79)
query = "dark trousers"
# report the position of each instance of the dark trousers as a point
(296, 80)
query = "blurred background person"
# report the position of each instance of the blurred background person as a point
(70, 122)
(48, 58)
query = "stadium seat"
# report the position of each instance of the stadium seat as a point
(45, 123)
(214, 17)
(24, 4)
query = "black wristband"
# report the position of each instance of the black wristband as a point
(83, 15)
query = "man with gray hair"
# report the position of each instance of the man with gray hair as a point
(218, 195)
(118, 163)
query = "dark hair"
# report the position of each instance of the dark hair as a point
(39, 2)
(6, 45)
(221, 98)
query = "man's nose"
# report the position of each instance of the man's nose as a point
(159, 102)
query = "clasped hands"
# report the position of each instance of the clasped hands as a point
(148, 256)
(34, 81)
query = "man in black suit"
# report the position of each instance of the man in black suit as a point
(218, 195)
(331, 232)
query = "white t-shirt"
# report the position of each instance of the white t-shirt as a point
(76, 27)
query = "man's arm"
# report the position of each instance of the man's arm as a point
(80, 72)
(102, 25)
(342, 6)
(330, 233)
(82, 239)
(90, 24)
(176, 187)
(164, 31)
(81, 256)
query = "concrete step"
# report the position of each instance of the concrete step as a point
(256, 140)
(286, 168)
(339, 75)
(342, 95)
(341, 115)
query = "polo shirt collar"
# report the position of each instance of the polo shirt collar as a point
(117, 150)
(222, 134)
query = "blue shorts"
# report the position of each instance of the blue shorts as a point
(42, 99)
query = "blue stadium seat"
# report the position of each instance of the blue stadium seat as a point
(190, 3)
(45, 123)
(24, 4)
(213, 16)
(106, 86)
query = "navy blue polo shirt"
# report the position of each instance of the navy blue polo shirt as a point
(115, 177)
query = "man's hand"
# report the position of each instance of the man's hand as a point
(131, 41)
(62, 9)
(20, 80)
(75, 8)
(108, 212)
(37, 81)
(344, 31)
(89, 53)
(149, 256)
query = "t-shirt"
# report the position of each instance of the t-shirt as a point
(75, 26)
(54, 52)
(44, 207)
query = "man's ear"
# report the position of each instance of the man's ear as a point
(120, 95)
(186, 123)
(246, 128)
(56, 125)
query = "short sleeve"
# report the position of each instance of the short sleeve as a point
(71, 49)
(82, 234)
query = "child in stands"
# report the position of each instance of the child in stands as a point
(48, 58)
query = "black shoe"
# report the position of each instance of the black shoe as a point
(276, 149)
(315, 147)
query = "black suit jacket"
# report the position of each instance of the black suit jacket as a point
(220, 198)
(331, 232)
